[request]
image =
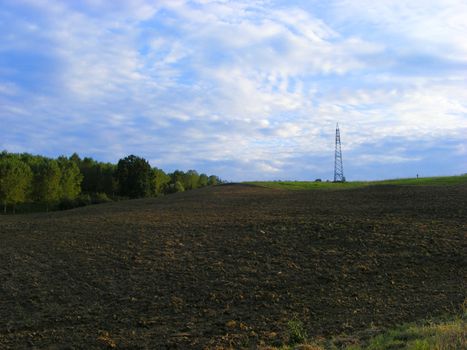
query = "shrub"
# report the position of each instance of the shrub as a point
(83, 199)
(179, 187)
(297, 333)
(174, 187)
(80, 201)
(100, 198)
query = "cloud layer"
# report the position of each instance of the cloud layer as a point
(243, 89)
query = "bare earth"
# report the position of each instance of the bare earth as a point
(231, 265)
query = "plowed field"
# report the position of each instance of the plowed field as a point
(230, 265)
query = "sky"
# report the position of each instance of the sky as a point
(246, 90)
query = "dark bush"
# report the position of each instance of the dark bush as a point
(100, 198)
(67, 204)
(82, 200)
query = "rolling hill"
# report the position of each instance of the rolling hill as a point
(231, 265)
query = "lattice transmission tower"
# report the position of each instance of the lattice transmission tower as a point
(338, 167)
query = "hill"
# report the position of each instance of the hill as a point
(231, 265)
(313, 185)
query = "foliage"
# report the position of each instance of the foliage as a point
(159, 180)
(83, 199)
(213, 180)
(47, 186)
(66, 183)
(70, 180)
(134, 177)
(179, 187)
(174, 187)
(297, 332)
(15, 181)
(97, 177)
(203, 180)
(100, 197)
(450, 334)
(191, 180)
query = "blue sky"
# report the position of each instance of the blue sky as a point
(242, 89)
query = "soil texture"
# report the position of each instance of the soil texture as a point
(230, 266)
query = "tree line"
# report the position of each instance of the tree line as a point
(67, 182)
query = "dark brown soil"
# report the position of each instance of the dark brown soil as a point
(230, 265)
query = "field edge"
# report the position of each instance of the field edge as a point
(325, 185)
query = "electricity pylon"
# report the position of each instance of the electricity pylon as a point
(338, 167)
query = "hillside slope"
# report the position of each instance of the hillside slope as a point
(325, 185)
(231, 265)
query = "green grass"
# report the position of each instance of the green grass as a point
(429, 335)
(311, 185)
(441, 336)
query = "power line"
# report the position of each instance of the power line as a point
(338, 167)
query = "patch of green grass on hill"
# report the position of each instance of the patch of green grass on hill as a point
(441, 335)
(426, 181)
(312, 185)
(309, 185)
(449, 335)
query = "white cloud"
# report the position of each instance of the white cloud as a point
(434, 26)
(9, 89)
(245, 82)
(382, 159)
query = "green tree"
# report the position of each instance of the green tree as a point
(46, 185)
(75, 158)
(98, 177)
(88, 168)
(159, 181)
(177, 175)
(191, 179)
(134, 177)
(15, 181)
(65, 178)
(174, 187)
(108, 182)
(213, 180)
(203, 180)
(178, 187)
(70, 180)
